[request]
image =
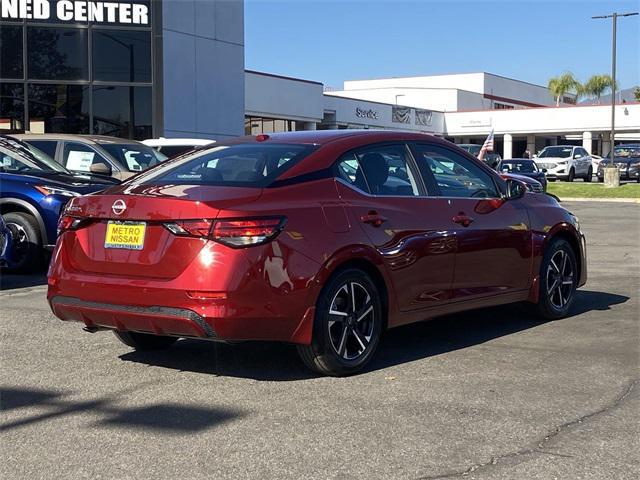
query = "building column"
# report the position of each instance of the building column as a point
(309, 125)
(531, 144)
(508, 146)
(606, 144)
(554, 141)
(587, 141)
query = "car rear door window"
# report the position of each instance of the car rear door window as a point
(79, 157)
(379, 170)
(453, 174)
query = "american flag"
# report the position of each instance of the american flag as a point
(487, 146)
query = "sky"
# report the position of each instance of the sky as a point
(331, 41)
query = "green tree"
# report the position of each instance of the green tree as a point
(565, 83)
(636, 94)
(597, 85)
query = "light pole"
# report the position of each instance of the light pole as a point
(614, 20)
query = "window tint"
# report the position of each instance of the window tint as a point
(454, 175)
(57, 53)
(121, 56)
(379, 170)
(252, 165)
(58, 108)
(11, 106)
(47, 146)
(79, 157)
(518, 167)
(11, 51)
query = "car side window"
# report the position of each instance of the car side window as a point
(47, 146)
(453, 174)
(379, 170)
(80, 157)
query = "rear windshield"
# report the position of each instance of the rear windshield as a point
(244, 165)
(135, 157)
(558, 152)
(627, 151)
(519, 167)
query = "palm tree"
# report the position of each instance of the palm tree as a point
(565, 83)
(597, 85)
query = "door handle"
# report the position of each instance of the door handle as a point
(373, 218)
(462, 219)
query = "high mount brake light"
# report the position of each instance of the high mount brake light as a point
(234, 233)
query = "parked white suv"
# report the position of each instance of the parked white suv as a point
(172, 147)
(565, 162)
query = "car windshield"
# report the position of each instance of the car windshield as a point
(250, 165)
(136, 157)
(15, 161)
(626, 152)
(518, 167)
(556, 152)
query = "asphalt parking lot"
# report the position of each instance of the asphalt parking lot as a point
(486, 394)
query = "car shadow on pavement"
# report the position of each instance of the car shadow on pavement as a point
(10, 281)
(279, 362)
(45, 405)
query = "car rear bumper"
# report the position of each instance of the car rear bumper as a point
(158, 320)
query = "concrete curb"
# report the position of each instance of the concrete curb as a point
(611, 200)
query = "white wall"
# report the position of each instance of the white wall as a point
(555, 120)
(517, 90)
(346, 110)
(441, 99)
(280, 97)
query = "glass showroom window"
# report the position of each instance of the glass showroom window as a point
(57, 54)
(121, 56)
(11, 106)
(122, 111)
(11, 49)
(58, 108)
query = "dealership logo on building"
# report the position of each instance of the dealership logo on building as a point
(361, 113)
(75, 11)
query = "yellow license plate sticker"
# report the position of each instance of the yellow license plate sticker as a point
(128, 235)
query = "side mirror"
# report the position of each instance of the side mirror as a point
(100, 169)
(577, 155)
(515, 189)
(544, 170)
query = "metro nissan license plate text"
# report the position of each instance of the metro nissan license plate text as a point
(128, 235)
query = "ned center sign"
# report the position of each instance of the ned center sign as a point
(75, 11)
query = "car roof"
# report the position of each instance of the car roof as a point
(322, 137)
(178, 142)
(517, 160)
(100, 139)
(563, 146)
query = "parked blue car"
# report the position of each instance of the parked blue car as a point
(33, 192)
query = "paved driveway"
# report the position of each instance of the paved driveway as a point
(489, 394)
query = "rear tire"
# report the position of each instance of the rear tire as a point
(145, 341)
(558, 280)
(572, 175)
(27, 242)
(347, 325)
(589, 175)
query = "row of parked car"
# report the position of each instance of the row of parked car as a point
(41, 173)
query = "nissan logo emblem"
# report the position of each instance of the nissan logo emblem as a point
(118, 207)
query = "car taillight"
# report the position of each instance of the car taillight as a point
(67, 222)
(235, 233)
(245, 232)
(190, 228)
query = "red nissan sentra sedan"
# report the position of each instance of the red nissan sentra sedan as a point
(321, 239)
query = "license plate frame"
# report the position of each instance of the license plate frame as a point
(136, 235)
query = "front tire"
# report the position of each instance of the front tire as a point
(589, 175)
(558, 280)
(347, 325)
(145, 341)
(27, 244)
(572, 175)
